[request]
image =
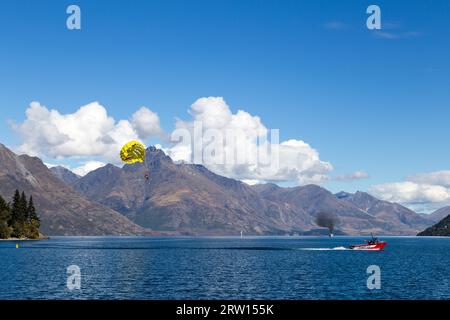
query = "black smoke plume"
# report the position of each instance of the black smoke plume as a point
(327, 220)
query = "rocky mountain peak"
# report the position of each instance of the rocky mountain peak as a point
(65, 174)
(154, 154)
(342, 195)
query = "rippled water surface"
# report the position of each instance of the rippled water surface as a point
(223, 268)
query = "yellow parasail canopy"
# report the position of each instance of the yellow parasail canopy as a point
(132, 152)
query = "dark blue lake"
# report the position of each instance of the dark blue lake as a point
(223, 268)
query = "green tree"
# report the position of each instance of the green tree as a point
(23, 220)
(23, 208)
(17, 216)
(32, 211)
(33, 220)
(5, 217)
(15, 211)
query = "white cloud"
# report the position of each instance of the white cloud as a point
(251, 182)
(298, 161)
(146, 123)
(87, 167)
(441, 178)
(51, 165)
(88, 132)
(357, 175)
(301, 163)
(424, 192)
(82, 170)
(411, 192)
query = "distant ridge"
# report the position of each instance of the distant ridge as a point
(393, 213)
(440, 214)
(442, 228)
(65, 174)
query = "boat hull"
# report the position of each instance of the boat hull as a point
(372, 247)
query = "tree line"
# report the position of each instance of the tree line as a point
(19, 218)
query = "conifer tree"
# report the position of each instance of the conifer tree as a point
(19, 219)
(16, 216)
(32, 210)
(5, 217)
(34, 221)
(23, 206)
(15, 210)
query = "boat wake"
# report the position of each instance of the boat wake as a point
(325, 249)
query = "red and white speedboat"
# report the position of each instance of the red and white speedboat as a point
(373, 244)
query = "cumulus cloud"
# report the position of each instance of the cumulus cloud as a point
(51, 165)
(233, 144)
(82, 170)
(301, 163)
(357, 175)
(440, 178)
(423, 192)
(88, 132)
(146, 123)
(87, 167)
(237, 145)
(251, 182)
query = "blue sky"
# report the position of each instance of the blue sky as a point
(376, 102)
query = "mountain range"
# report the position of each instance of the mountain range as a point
(189, 199)
(61, 209)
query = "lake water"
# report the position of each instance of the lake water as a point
(224, 268)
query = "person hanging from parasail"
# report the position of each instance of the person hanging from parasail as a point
(134, 152)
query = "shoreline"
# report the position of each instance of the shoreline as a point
(218, 236)
(26, 239)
